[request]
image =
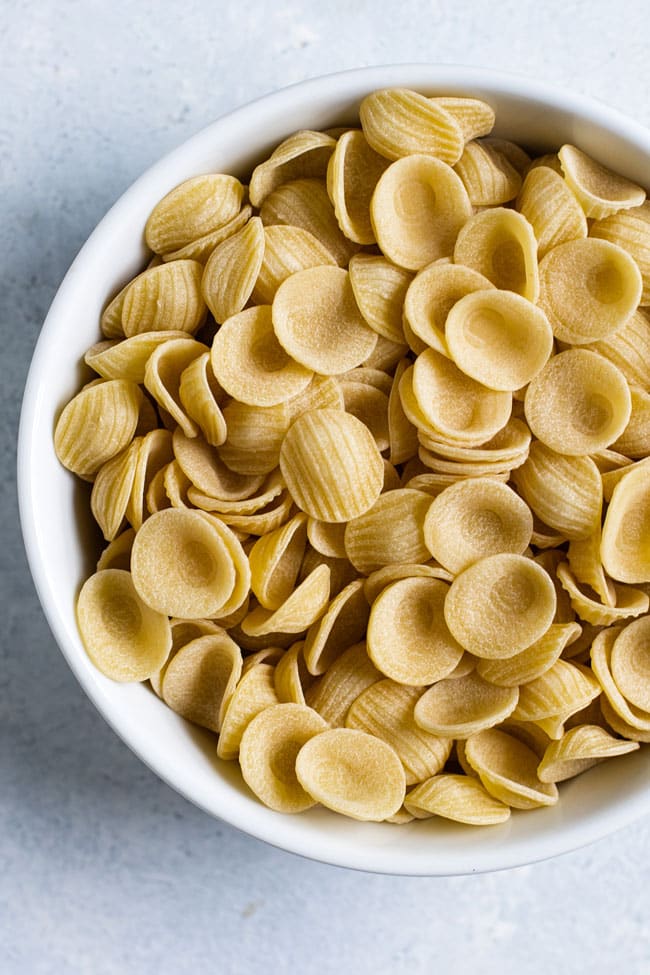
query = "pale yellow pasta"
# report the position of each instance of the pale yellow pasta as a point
(379, 287)
(431, 296)
(629, 349)
(625, 546)
(578, 750)
(342, 625)
(621, 727)
(348, 676)
(560, 691)
(418, 207)
(191, 210)
(386, 354)
(167, 297)
(352, 174)
(183, 631)
(370, 406)
(630, 229)
(200, 393)
(254, 436)
(110, 321)
(408, 638)
(399, 122)
(275, 561)
(201, 464)
(500, 605)
(507, 768)
(402, 435)
(304, 203)
(201, 248)
(253, 694)
(635, 439)
(588, 288)
(385, 710)
(474, 116)
(352, 773)
(299, 610)
(112, 489)
(232, 269)
(601, 663)
(303, 154)
(266, 519)
(125, 639)
(508, 445)
(459, 798)
(516, 156)
(181, 565)
(462, 706)
(585, 562)
(475, 518)
(627, 601)
(453, 404)
(488, 176)
(532, 662)
(201, 677)
(630, 663)
(316, 321)
(250, 363)
(291, 677)
(331, 465)
(286, 250)
(579, 403)
(500, 244)
(162, 378)
(565, 492)
(117, 554)
(127, 358)
(97, 424)
(268, 751)
(389, 532)
(600, 191)
(377, 581)
(327, 537)
(551, 209)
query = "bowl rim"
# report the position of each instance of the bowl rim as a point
(597, 823)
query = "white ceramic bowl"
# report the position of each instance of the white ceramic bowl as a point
(62, 544)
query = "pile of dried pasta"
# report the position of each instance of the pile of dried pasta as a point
(368, 443)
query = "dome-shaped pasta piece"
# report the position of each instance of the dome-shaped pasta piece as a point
(125, 639)
(112, 489)
(316, 321)
(201, 248)
(532, 662)
(352, 174)
(250, 363)
(254, 693)
(167, 297)
(622, 728)
(431, 296)
(286, 251)
(418, 207)
(291, 676)
(127, 359)
(201, 677)
(459, 798)
(507, 768)
(343, 624)
(454, 404)
(232, 269)
(462, 706)
(254, 436)
(629, 349)
(379, 288)
(385, 710)
(579, 403)
(474, 116)
(303, 154)
(506, 446)
(331, 465)
(500, 605)
(389, 532)
(370, 406)
(578, 750)
(200, 394)
(275, 561)
(162, 378)
(97, 424)
(327, 537)
(386, 354)
(630, 663)
(408, 639)
(585, 562)
(183, 632)
(600, 191)
(378, 581)
(181, 565)
(516, 156)
(475, 518)
(462, 469)
(300, 609)
(498, 338)
(601, 664)
(588, 288)
(487, 175)
(352, 773)
(627, 602)
(563, 689)
(266, 519)
(304, 203)
(117, 554)
(630, 229)
(399, 122)
(551, 209)
(191, 210)
(625, 546)
(402, 435)
(500, 244)
(635, 439)
(268, 751)
(201, 464)
(349, 676)
(565, 492)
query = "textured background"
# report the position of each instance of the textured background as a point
(103, 869)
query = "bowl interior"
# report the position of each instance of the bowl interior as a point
(62, 542)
